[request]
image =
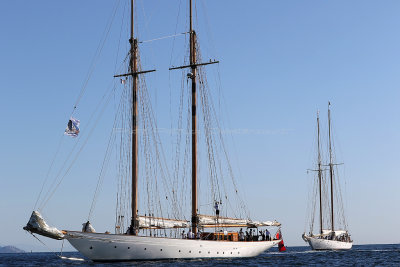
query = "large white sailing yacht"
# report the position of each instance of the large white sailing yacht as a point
(148, 236)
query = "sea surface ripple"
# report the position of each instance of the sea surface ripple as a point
(360, 255)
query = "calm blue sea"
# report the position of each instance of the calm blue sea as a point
(364, 255)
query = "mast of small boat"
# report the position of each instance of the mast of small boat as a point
(330, 164)
(135, 172)
(319, 176)
(194, 120)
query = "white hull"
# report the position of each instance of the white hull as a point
(108, 247)
(325, 244)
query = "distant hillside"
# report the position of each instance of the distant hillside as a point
(10, 249)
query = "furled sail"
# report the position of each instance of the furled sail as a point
(212, 221)
(161, 223)
(337, 232)
(36, 224)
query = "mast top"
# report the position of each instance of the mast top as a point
(132, 20)
(191, 20)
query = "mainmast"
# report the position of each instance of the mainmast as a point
(193, 75)
(135, 170)
(330, 165)
(194, 121)
(319, 176)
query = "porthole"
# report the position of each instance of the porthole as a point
(190, 251)
(160, 249)
(238, 252)
(223, 252)
(217, 252)
(115, 246)
(91, 247)
(209, 252)
(144, 248)
(129, 247)
(199, 251)
(179, 250)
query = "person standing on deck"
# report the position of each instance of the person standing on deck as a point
(267, 235)
(183, 234)
(216, 209)
(241, 235)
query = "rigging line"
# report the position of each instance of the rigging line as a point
(80, 150)
(59, 172)
(149, 112)
(210, 38)
(97, 55)
(106, 161)
(106, 158)
(175, 32)
(75, 145)
(222, 96)
(119, 40)
(165, 37)
(103, 170)
(48, 172)
(170, 63)
(207, 109)
(178, 145)
(73, 149)
(146, 23)
(44, 244)
(227, 159)
(124, 156)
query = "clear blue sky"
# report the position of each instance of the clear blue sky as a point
(281, 61)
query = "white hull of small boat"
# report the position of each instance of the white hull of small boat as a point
(109, 247)
(325, 244)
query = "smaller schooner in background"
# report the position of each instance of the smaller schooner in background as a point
(330, 236)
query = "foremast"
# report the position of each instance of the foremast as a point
(135, 170)
(134, 73)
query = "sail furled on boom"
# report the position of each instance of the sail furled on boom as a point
(161, 223)
(37, 225)
(212, 221)
(147, 222)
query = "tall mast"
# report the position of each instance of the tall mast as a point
(133, 70)
(193, 76)
(319, 176)
(134, 73)
(194, 121)
(330, 165)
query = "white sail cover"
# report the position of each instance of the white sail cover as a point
(214, 220)
(337, 232)
(155, 222)
(36, 224)
(88, 228)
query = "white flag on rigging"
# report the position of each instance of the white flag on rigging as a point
(72, 127)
